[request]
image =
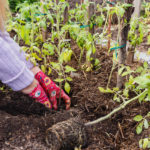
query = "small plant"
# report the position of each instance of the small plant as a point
(136, 36)
(138, 82)
(144, 143)
(142, 122)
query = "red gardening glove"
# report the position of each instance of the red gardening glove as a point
(40, 96)
(52, 90)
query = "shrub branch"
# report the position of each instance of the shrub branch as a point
(122, 106)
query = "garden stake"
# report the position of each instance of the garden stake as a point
(109, 24)
(117, 47)
(85, 26)
(42, 12)
(123, 40)
(110, 2)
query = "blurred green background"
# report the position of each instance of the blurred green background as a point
(14, 3)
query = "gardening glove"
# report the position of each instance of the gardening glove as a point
(40, 96)
(52, 90)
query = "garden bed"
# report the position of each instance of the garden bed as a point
(23, 123)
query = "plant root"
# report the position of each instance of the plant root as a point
(67, 135)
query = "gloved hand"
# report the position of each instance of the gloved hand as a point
(40, 96)
(52, 90)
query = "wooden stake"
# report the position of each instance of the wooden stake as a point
(43, 30)
(109, 28)
(123, 41)
(130, 48)
(57, 1)
(66, 15)
(91, 12)
(81, 2)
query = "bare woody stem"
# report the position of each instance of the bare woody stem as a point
(122, 106)
(123, 40)
(109, 28)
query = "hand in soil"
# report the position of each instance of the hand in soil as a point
(52, 90)
(40, 96)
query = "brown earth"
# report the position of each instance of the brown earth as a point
(23, 123)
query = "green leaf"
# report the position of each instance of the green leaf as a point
(88, 69)
(49, 16)
(59, 80)
(148, 39)
(141, 143)
(126, 92)
(138, 118)
(36, 56)
(49, 48)
(139, 69)
(109, 90)
(43, 68)
(146, 124)
(105, 91)
(148, 146)
(145, 65)
(116, 98)
(145, 81)
(127, 5)
(142, 97)
(148, 51)
(131, 80)
(69, 69)
(145, 143)
(45, 52)
(139, 128)
(121, 70)
(36, 49)
(121, 12)
(43, 24)
(97, 62)
(115, 89)
(126, 73)
(66, 55)
(148, 114)
(69, 78)
(99, 20)
(101, 89)
(67, 87)
(55, 65)
(88, 54)
(49, 71)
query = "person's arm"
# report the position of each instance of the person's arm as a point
(16, 49)
(15, 74)
(20, 74)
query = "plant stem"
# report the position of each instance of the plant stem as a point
(113, 67)
(59, 43)
(122, 106)
(81, 54)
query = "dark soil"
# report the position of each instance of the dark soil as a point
(23, 123)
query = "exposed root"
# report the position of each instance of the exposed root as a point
(66, 135)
